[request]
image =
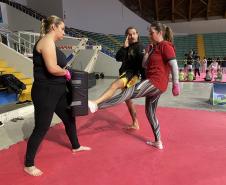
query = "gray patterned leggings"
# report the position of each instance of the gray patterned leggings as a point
(141, 89)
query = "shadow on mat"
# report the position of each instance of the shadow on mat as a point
(58, 135)
(107, 121)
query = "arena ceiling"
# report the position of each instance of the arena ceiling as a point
(177, 10)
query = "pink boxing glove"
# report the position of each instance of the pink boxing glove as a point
(176, 89)
(67, 75)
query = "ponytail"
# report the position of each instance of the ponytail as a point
(47, 23)
(168, 36)
(167, 31)
(43, 28)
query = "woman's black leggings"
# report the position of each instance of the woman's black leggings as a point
(47, 99)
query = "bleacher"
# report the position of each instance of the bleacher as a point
(110, 42)
(107, 43)
(119, 38)
(215, 44)
(183, 44)
(144, 40)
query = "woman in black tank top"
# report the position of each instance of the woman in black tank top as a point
(49, 91)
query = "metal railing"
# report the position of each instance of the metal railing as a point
(70, 31)
(15, 41)
(24, 41)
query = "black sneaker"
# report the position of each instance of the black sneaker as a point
(1, 124)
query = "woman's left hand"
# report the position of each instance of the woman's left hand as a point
(176, 89)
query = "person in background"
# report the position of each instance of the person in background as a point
(208, 76)
(49, 91)
(181, 75)
(204, 65)
(219, 61)
(190, 60)
(213, 67)
(160, 63)
(197, 66)
(185, 64)
(219, 76)
(190, 76)
(131, 55)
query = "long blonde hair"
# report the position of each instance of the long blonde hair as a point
(47, 23)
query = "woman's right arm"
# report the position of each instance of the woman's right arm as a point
(48, 51)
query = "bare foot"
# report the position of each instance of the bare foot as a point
(33, 171)
(81, 148)
(156, 144)
(133, 126)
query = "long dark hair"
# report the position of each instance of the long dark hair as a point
(167, 31)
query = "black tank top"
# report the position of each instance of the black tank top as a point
(40, 71)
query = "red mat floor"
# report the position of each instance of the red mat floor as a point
(194, 153)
